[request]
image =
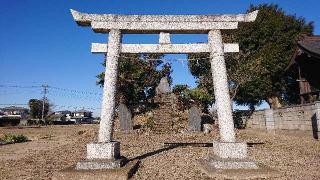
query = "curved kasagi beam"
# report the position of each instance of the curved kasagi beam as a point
(84, 19)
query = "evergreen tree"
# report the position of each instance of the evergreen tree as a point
(138, 78)
(257, 73)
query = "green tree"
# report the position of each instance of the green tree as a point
(181, 91)
(36, 105)
(187, 97)
(257, 73)
(138, 77)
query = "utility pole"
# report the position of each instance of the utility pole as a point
(45, 91)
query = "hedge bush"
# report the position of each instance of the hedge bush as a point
(12, 138)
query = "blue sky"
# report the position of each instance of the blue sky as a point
(41, 44)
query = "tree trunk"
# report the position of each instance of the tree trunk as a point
(274, 102)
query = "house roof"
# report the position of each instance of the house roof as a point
(82, 111)
(64, 112)
(56, 116)
(13, 108)
(309, 45)
(80, 117)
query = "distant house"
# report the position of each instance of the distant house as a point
(81, 116)
(304, 68)
(14, 111)
(12, 115)
(67, 114)
(60, 116)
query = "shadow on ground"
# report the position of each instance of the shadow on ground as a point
(169, 146)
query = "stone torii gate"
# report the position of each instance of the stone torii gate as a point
(227, 149)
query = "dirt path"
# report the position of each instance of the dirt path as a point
(296, 156)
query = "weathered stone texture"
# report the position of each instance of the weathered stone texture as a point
(86, 173)
(110, 150)
(163, 87)
(164, 38)
(125, 118)
(99, 164)
(102, 156)
(85, 19)
(164, 48)
(299, 117)
(163, 115)
(221, 89)
(222, 163)
(246, 172)
(155, 27)
(194, 119)
(116, 25)
(110, 86)
(236, 150)
(258, 121)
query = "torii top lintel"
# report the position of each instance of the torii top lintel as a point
(161, 23)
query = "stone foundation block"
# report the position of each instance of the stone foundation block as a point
(101, 164)
(122, 173)
(209, 167)
(110, 150)
(230, 149)
(230, 163)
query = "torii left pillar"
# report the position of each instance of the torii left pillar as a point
(110, 86)
(105, 148)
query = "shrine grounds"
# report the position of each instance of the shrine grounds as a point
(296, 155)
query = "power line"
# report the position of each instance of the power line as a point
(17, 92)
(74, 91)
(75, 96)
(14, 104)
(18, 86)
(55, 91)
(52, 87)
(55, 106)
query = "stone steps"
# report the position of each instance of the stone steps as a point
(163, 120)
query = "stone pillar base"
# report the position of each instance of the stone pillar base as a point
(124, 172)
(235, 169)
(230, 155)
(229, 149)
(101, 164)
(228, 160)
(230, 163)
(110, 150)
(102, 156)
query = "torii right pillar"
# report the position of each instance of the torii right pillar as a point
(221, 89)
(228, 157)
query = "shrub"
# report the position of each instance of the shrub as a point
(149, 122)
(11, 138)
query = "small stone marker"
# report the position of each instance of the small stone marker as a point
(125, 117)
(207, 128)
(163, 87)
(194, 119)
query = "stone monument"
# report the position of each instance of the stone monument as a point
(228, 152)
(194, 119)
(163, 87)
(163, 115)
(125, 118)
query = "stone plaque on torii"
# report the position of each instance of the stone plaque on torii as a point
(228, 153)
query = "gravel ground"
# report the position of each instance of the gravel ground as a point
(295, 155)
